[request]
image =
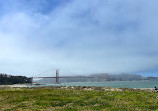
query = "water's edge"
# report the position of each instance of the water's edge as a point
(114, 84)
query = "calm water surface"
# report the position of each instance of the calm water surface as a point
(115, 84)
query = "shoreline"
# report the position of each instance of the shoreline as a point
(27, 86)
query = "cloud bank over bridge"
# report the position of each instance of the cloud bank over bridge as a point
(79, 36)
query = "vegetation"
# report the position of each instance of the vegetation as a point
(51, 99)
(9, 79)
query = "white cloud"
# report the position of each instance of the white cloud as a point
(80, 37)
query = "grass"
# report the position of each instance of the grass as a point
(51, 99)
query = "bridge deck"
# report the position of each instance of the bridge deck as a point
(67, 77)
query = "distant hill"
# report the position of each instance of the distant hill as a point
(100, 77)
(6, 79)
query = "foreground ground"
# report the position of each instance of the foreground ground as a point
(77, 99)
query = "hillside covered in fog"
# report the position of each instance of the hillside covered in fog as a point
(101, 77)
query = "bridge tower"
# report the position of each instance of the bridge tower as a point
(57, 76)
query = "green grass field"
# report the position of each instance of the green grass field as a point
(49, 99)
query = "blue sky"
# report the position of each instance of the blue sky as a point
(78, 36)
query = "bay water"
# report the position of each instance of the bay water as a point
(114, 84)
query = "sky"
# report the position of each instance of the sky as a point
(78, 37)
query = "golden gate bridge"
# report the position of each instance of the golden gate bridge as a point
(57, 77)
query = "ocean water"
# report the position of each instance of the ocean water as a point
(114, 84)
